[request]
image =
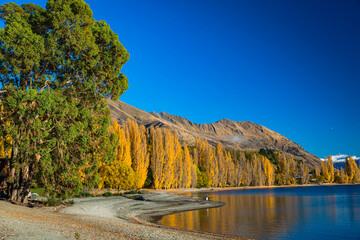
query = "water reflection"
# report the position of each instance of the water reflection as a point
(292, 213)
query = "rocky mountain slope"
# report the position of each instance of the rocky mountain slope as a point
(232, 134)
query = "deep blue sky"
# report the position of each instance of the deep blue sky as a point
(292, 66)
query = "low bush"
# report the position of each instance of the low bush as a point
(53, 201)
(132, 192)
(84, 194)
(107, 194)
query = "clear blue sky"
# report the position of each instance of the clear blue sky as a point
(292, 66)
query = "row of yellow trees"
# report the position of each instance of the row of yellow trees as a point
(351, 174)
(155, 158)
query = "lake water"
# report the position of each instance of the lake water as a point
(316, 212)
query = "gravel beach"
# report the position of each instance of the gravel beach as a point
(130, 217)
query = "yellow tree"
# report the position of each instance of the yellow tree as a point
(325, 171)
(221, 175)
(341, 177)
(157, 156)
(187, 168)
(231, 170)
(268, 171)
(330, 169)
(178, 171)
(352, 170)
(123, 145)
(304, 173)
(136, 136)
(207, 161)
(240, 163)
(118, 173)
(170, 156)
(285, 170)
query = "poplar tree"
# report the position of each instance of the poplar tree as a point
(118, 174)
(207, 162)
(268, 171)
(330, 169)
(157, 157)
(136, 137)
(187, 168)
(352, 170)
(221, 175)
(231, 170)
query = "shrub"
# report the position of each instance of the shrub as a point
(132, 192)
(53, 201)
(107, 194)
(84, 194)
(70, 202)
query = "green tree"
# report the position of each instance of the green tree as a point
(63, 55)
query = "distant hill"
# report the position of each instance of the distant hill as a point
(232, 134)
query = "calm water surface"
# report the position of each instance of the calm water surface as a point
(317, 212)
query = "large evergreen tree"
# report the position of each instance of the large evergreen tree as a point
(56, 66)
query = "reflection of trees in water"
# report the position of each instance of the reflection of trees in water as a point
(266, 216)
(242, 215)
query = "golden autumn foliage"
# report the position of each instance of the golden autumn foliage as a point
(119, 174)
(158, 158)
(268, 171)
(136, 137)
(327, 170)
(187, 168)
(286, 171)
(171, 165)
(352, 170)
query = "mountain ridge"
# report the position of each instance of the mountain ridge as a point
(242, 135)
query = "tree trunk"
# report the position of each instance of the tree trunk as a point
(19, 189)
(18, 185)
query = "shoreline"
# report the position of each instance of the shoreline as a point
(132, 217)
(218, 189)
(119, 217)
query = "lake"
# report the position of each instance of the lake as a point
(314, 212)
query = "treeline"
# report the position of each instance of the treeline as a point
(155, 158)
(351, 174)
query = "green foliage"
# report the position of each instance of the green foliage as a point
(39, 191)
(269, 154)
(70, 202)
(53, 201)
(57, 64)
(108, 194)
(202, 179)
(77, 236)
(149, 179)
(83, 194)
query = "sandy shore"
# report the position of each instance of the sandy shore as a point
(130, 217)
(103, 218)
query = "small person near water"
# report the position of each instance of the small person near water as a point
(207, 197)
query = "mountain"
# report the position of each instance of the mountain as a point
(242, 135)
